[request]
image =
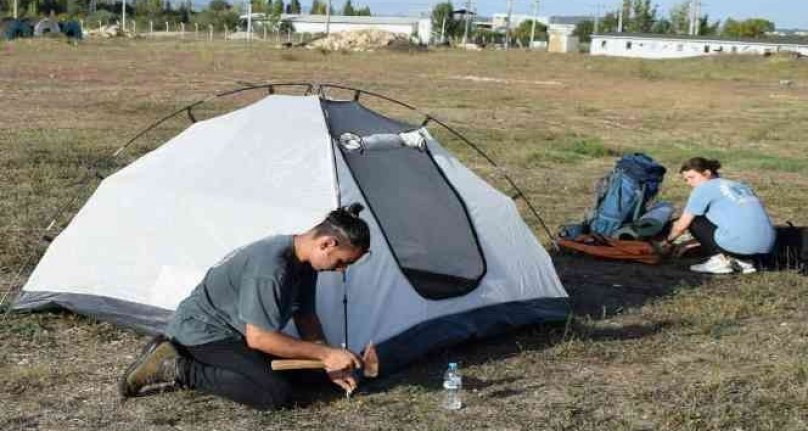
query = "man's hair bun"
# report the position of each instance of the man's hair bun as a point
(354, 209)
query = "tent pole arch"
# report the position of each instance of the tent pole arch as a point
(320, 90)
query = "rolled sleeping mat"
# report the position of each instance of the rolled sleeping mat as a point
(649, 224)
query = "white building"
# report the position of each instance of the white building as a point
(680, 46)
(499, 21)
(561, 38)
(419, 28)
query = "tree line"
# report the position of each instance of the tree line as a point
(451, 26)
(218, 13)
(640, 16)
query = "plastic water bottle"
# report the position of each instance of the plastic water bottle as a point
(452, 385)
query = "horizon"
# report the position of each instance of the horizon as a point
(786, 14)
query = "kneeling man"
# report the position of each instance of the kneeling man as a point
(222, 338)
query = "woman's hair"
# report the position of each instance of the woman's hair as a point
(700, 164)
(344, 224)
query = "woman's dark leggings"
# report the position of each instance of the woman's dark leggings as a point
(232, 370)
(704, 231)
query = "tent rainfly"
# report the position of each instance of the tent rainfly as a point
(451, 259)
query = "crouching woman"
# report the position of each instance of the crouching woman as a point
(724, 216)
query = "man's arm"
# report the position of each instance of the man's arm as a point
(279, 344)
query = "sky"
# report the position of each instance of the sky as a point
(785, 14)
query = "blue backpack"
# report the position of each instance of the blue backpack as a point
(621, 196)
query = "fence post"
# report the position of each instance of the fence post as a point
(166, 26)
(196, 30)
(210, 32)
(151, 28)
(182, 30)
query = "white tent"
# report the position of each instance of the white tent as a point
(451, 259)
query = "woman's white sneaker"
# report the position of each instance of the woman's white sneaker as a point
(744, 267)
(716, 264)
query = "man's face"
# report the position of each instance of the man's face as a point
(330, 256)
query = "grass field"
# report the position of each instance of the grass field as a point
(649, 347)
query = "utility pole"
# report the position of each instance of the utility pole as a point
(597, 19)
(466, 15)
(249, 20)
(508, 25)
(695, 17)
(327, 16)
(443, 31)
(535, 18)
(15, 9)
(123, 15)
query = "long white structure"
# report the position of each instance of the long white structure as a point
(419, 28)
(679, 46)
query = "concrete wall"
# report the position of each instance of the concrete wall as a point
(626, 46)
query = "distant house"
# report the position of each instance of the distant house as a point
(420, 28)
(499, 20)
(681, 46)
(562, 38)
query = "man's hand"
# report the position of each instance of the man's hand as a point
(344, 379)
(341, 359)
(340, 365)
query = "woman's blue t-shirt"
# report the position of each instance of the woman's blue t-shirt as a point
(742, 225)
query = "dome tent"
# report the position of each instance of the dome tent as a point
(451, 259)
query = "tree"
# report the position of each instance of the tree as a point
(443, 21)
(643, 16)
(261, 6)
(707, 29)
(218, 14)
(317, 8)
(525, 28)
(348, 9)
(662, 26)
(363, 11)
(150, 9)
(218, 5)
(752, 28)
(293, 7)
(608, 24)
(680, 18)
(277, 8)
(584, 30)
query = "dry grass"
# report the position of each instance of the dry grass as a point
(650, 348)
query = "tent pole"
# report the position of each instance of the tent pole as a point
(344, 310)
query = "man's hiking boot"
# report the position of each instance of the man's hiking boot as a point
(156, 365)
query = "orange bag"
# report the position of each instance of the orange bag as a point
(609, 248)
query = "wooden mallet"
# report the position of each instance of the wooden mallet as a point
(369, 359)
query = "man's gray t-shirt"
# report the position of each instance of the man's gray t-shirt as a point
(262, 284)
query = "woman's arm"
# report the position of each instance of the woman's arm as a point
(680, 226)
